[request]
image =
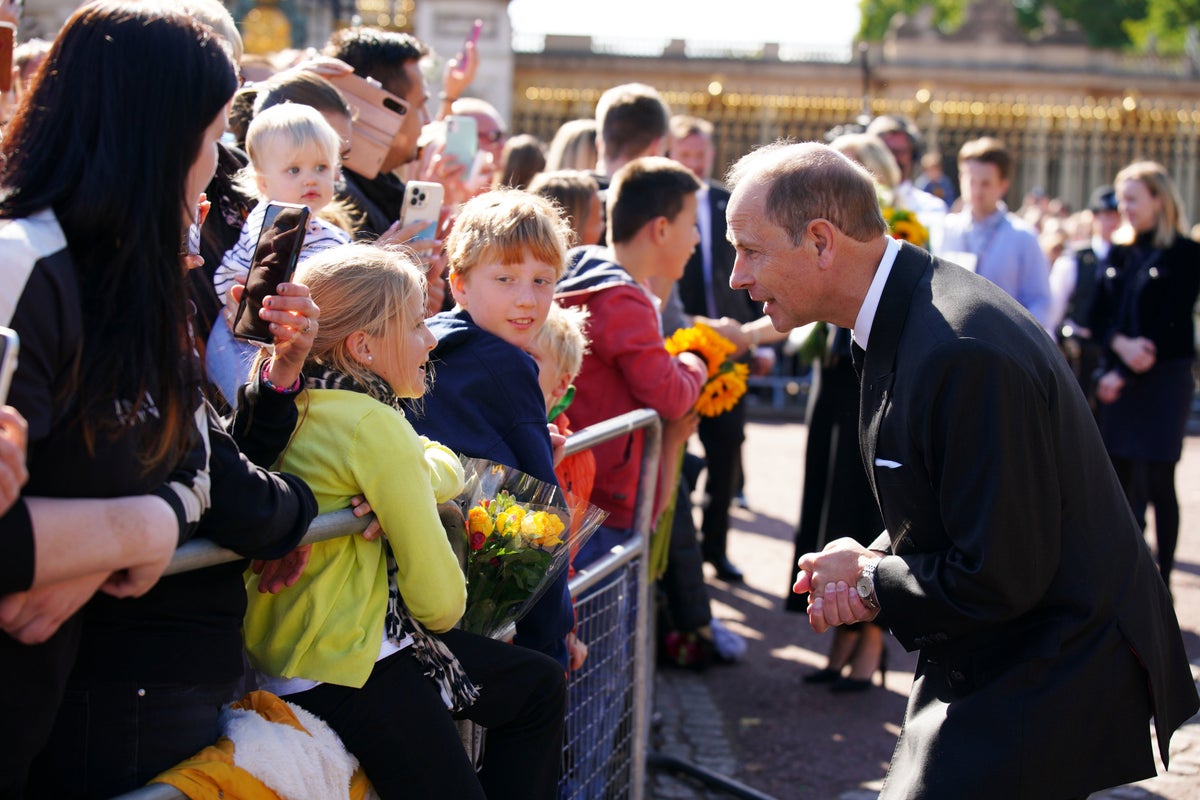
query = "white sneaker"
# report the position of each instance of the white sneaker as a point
(730, 646)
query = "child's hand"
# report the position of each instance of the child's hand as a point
(677, 431)
(557, 442)
(361, 509)
(577, 652)
(280, 573)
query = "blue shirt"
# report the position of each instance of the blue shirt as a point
(1005, 250)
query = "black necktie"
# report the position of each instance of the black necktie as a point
(857, 355)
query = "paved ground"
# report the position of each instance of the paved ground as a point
(759, 723)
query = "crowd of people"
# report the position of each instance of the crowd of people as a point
(141, 416)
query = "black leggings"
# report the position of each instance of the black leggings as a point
(1153, 483)
(407, 742)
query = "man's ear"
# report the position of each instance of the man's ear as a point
(821, 233)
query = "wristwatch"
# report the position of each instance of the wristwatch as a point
(866, 585)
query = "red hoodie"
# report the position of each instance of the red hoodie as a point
(627, 367)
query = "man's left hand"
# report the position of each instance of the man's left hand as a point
(835, 572)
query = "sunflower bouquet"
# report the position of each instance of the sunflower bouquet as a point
(724, 386)
(726, 381)
(904, 225)
(519, 539)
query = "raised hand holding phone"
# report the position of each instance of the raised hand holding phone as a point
(461, 69)
(274, 261)
(422, 203)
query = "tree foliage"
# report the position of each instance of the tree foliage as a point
(1159, 25)
(877, 15)
(1165, 26)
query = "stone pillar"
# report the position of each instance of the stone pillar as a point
(446, 24)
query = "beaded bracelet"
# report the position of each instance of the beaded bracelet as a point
(293, 389)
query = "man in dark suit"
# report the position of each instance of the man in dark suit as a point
(1011, 559)
(705, 292)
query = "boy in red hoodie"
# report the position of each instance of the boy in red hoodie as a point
(651, 234)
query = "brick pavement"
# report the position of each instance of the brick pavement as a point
(759, 723)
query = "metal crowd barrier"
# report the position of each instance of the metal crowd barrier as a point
(609, 701)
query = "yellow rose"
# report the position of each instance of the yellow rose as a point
(479, 521)
(542, 528)
(509, 520)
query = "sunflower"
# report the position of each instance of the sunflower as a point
(904, 225)
(726, 381)
(704, 342)
(722, 391)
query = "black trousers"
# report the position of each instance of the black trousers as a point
(34, 681)
(722, 437)
(407, 742)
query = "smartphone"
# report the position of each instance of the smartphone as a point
(462, 139)
(10, 343)
(8, 33)
(378, 115)
(194, 230)
(422, 203)
(274, 261)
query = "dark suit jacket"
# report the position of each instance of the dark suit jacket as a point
(730, 302)
(1047, 637)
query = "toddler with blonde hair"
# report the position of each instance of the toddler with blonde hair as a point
(294, 158)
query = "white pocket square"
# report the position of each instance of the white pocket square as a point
(887, 464)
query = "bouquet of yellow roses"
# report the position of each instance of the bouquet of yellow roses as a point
(520, 538)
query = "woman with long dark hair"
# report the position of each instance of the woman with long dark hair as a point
(1143, 315)
(100, 174)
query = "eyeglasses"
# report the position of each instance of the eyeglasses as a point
(491, 137)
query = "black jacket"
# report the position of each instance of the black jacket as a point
(1046, 635)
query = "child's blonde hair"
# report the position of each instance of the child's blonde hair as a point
(296, 125)
(293, 125)
(504, 225)
(359, 287)
(563, 337)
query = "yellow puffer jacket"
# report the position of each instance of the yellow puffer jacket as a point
(272, 755)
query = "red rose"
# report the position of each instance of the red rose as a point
(477, 540)
(495, 562)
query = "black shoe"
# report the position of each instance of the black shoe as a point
(849, 685)
(726, 571)
(825, 675)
